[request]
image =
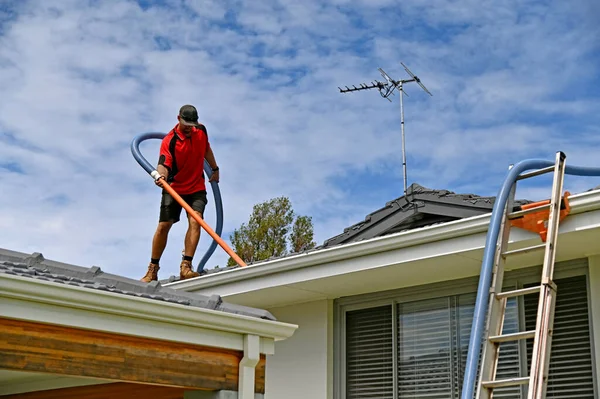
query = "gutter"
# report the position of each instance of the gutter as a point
(580, 203)
(137, 310)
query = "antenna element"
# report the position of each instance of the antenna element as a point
(386, 90)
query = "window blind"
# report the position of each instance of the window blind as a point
(425, 345)
(369, 353)
(570, 373)
(508, 362)
(432, 338)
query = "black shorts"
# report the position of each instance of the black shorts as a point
(170, 210)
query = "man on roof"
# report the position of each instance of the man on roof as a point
(181, 164)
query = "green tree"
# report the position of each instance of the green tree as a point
(273, 230)
(302, 235)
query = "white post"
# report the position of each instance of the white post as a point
(403, 140)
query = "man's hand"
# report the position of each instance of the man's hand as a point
(214, 177)
(159, 182)
(163, 172)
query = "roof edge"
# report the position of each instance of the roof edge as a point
(79, 298)
(580, 203)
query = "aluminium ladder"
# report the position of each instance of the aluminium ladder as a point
(542, 335)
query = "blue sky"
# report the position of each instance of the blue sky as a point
(510, 81)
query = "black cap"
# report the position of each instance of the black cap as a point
(189, 115)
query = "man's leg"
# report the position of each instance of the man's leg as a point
(170, 211)
(198, 202)
(192, 237)
(159, 241)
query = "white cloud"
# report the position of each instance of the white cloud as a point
(79, 81)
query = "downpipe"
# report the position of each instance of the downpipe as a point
(247, 367)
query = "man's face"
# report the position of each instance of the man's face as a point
(185, 129)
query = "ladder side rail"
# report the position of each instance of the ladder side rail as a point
(496, 306)
(542, 343)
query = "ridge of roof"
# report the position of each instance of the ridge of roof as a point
(35, 266)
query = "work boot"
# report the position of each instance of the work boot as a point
(185, 270)
(151, 274)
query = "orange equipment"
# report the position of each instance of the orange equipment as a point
(202, 223)
(537, 221)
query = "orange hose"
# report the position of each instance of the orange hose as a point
(202, 223)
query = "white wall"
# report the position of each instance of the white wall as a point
(302, 366)
(594, 264)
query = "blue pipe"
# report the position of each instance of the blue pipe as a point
(135, 150)
(488, 261)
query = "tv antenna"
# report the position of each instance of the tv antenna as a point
(386, 89)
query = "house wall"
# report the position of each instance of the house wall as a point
(594, 279)
(302, 366)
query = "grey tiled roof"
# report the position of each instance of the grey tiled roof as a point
(421, 207)
(35, 266)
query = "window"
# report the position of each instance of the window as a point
(369, 353)
(402, 347)
(571, 369)
(432, 347)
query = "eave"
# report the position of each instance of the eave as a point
(23, 298)
(62, 351)
(464, 237)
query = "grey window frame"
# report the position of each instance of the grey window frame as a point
(518, 278)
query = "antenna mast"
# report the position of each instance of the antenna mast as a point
(386, 90)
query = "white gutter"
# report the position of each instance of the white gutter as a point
(44, 301)
(582, 202)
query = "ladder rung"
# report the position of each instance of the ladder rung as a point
(517, 214)
(521, 291)
(512, 337)
(509, 382)
(536, 172)
(524, 250)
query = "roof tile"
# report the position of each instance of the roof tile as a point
(35, 266)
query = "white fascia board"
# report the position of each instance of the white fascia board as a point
(583, 202)
(37, 300)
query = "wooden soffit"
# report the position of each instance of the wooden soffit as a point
(37, 347)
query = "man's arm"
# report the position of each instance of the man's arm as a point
(163, 170)
(210, 157)
(164, 161)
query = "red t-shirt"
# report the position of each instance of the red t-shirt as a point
(189, 159)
